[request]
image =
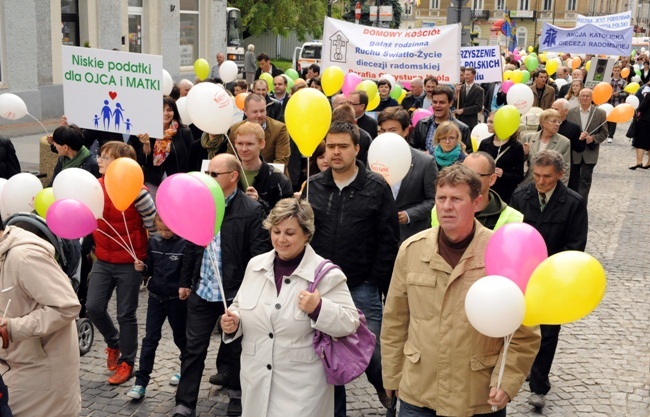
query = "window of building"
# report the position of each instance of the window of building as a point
(547, 5)
(70, 22)
(523, 5)
(434, 4)
(189, 31)
(571, 5)
(135, 26)
(477, 4)
(500, 4)
(522, 36)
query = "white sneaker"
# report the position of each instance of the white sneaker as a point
(137, 392)
(610, 140)
(175, 379)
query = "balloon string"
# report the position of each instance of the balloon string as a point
(215, 266)
(121, 245)
(589, 119)
(128, 234)
(307, 180)
(118, 235)
(240, 162)
(506, 344)
(592, 132)
(39, 122)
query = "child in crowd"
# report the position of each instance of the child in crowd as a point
(164, 260)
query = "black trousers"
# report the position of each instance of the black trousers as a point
(611, 129)
(539, 383)
(201, 319)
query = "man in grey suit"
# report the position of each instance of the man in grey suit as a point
(594, 131)
(470, 100)
(416, 193)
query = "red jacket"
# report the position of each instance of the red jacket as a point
(108, 250)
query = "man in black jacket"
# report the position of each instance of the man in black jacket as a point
(359, 102)
(264, 65)
(259, 180)
(569, 129)
(241, 237)
(560, 216)
(357, 229)
(273, 108)
(9, 165)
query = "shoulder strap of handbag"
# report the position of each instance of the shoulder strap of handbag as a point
(321, 270)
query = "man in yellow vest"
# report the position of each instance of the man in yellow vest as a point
(492, 212)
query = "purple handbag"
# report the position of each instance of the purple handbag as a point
(346, 358)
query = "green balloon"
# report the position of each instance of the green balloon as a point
(217, 196)
(526, 76)
(292, 73)
(637, 72)
(532, 64)
(290, 82)
(396, 91)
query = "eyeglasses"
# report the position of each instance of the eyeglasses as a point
(353, 104)
(448, 139)
(216, 174)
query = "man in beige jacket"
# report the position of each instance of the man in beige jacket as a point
(41, 364)
(432, 358)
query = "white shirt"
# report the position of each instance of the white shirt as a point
(584, 118)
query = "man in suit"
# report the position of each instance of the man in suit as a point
(359, 102)
(416, 193)
(470, 100)
(273, 108)
(276, 136)
(569, 129)
(591, 120)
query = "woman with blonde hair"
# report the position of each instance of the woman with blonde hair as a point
(572, 95)
(449, 148)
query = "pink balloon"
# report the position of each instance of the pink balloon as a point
(70, 219)
(186, 206)
(418, 115)
(514, 251)
(350, 82)
(505, 86)
(407, 85)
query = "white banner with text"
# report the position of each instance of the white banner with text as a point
(486, 60)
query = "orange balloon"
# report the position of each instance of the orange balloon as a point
(575, 64)
(625, 72)
(621, 113)
(240, 99)
(123, 180)
(602, 93)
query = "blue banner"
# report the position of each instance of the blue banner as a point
(588, 38)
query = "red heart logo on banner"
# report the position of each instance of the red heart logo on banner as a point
(112, 94)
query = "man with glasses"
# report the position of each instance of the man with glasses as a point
(241, 237)
(359, 101)
(491, 212)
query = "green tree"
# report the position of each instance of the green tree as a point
(365, 12)
(305, 17)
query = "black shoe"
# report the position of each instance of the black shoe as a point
(646, 166)
(219, 379)
(636, 166)
(234, 407)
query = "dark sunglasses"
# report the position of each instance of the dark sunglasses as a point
(216, 174)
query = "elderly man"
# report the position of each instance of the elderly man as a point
(214, 74)
(413, 100)
(241, 237)
(591, 120)
(185, 86)
(568, 129)
(560, 216)
(439, 363)
(339, 99)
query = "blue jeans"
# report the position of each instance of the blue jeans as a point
(408, 410)
(367, 299)
(160, 309)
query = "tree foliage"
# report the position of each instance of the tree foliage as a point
(365, 12)
(305, 17)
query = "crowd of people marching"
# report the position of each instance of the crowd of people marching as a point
(406, 253)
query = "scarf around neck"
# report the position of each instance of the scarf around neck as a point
(162, 147)
(444, 159)
(212, 145)
(78, 159)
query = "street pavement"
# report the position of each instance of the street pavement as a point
(602, 363)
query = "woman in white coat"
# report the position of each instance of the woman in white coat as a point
(281, 375)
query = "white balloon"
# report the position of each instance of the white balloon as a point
(633, 100)
(80, 185)
(19, 192)
(167, 83)
(551, 55)
(495, 306)
(559, 83)
(390, 155)
(228, 71)
(210, 108)
(12, 107)
(636, 67)
(520, 96)
(636, 79)
(607, 108)
(3, 210)
(481, 132)
(181, 104)
(390, 79)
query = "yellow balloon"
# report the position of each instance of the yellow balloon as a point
(401, 97)
(564, 288)
(531, 49)
(43, 200)
(587, 65)
(372, 104)
(332, 80)
(632, 87)
(268, 78)
(201, 68)
(308, 117)
(475, 143)
(551, 66)
(507, 74)
(506, 121)
(542, 57)
(517, 76)
(370, 88)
